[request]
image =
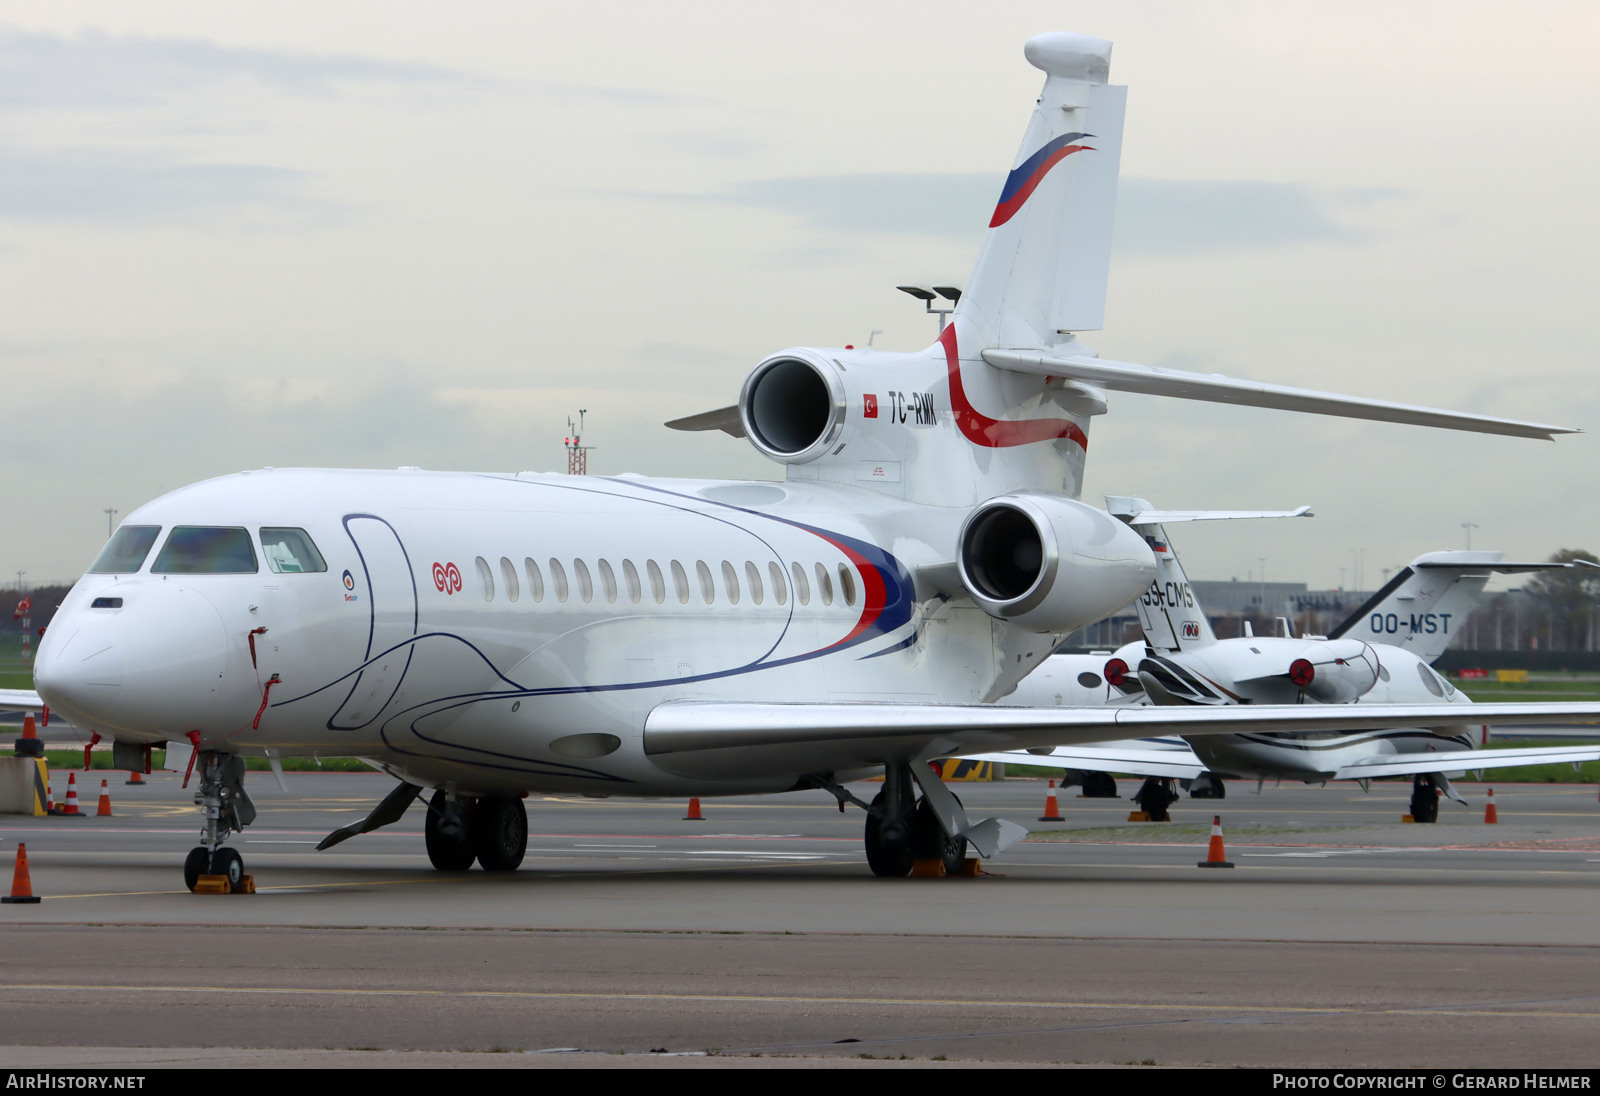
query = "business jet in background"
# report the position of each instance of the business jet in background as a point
(1380, 655)
(483, 636)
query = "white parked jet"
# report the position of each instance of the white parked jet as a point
(489, 635)
(1379, 655)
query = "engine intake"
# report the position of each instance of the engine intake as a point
(793, 406)
(1048, 563)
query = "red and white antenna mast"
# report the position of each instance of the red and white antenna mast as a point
(577, 453)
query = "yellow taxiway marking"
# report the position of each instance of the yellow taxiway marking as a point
(783, 999)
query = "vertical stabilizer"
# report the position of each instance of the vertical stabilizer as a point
(1042, 268)
(1168, 612)
(1424, 607)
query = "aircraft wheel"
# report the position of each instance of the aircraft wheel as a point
(1424, 802)
(1099, 786)
(930, 842)
(228, 862)
(500, 833)
(888, 843)
(449, 843)
(196, 864)
(1207, 786)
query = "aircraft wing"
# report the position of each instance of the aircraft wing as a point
(1459, 760)
(1179, 763)
(731, 739)
(20, 700)
(1215, 388)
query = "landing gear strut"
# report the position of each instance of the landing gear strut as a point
(221, 797)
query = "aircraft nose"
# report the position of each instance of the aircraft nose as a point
(145, 666)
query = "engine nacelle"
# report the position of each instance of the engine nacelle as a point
(793, 406)
(1050, 564)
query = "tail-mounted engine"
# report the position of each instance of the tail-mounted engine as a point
(1048, 563)
(793, 406)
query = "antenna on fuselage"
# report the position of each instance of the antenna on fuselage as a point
(577, 453)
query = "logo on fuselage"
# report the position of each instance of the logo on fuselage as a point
(349, 585)
(447, 578)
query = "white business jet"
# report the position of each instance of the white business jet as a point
(1380, 655)
(484, 636)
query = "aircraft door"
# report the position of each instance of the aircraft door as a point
(385, 581)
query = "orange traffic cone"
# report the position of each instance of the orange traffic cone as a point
(1490, 815)
(1052, 813)
(135, 778)
(70, 807)
(1215, 857)
(29, 745)
(49, 795)
(104, 810)
(21, 885)
(694, 814)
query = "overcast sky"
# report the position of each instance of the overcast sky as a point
(375, 234)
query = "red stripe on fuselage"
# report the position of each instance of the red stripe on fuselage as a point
(980, 429)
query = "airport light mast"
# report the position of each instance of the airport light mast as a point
(926, 296)
(577, 453)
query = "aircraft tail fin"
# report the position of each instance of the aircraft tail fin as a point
(1425, 605)
(1042, 269)
(1172, 619)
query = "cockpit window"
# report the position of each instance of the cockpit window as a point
(290, 551)
(124, 553)
(206, 550)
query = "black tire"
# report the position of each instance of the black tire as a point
(196, 864)
(1099, 786)
(1208, 787)
(888, 854)
(228, 862)
(930, 842)
(1424, 803)
(500, 834)
(446, 851)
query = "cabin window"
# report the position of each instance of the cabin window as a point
(535, 579)
(680, 582)
(508, 579)
(608, 582)
(558, 579)
(707, 590)
(824, 585)
(124, 553)
(486, 577)
(730, 579)
(206, 550)
(658, 585)
(847, 584)
(289, 551)
(779, 593)
(630, 575)
(752, 576)
(585, 583)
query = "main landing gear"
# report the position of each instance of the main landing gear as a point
(901, 830)
(1424, 799)
(1154, 796)
(491, 830)
(1208, 786)
(220, 795)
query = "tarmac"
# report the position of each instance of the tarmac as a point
(630, 936)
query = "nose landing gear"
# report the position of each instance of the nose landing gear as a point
(221, 797)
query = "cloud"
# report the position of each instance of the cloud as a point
(110, 186)
(94, 68)
(1154, 216)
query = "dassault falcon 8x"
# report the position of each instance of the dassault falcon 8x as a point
(484, 636)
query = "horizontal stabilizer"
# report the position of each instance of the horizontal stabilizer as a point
(1170, 517)
(1215, 388)
(21, 700)
(725, 419)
